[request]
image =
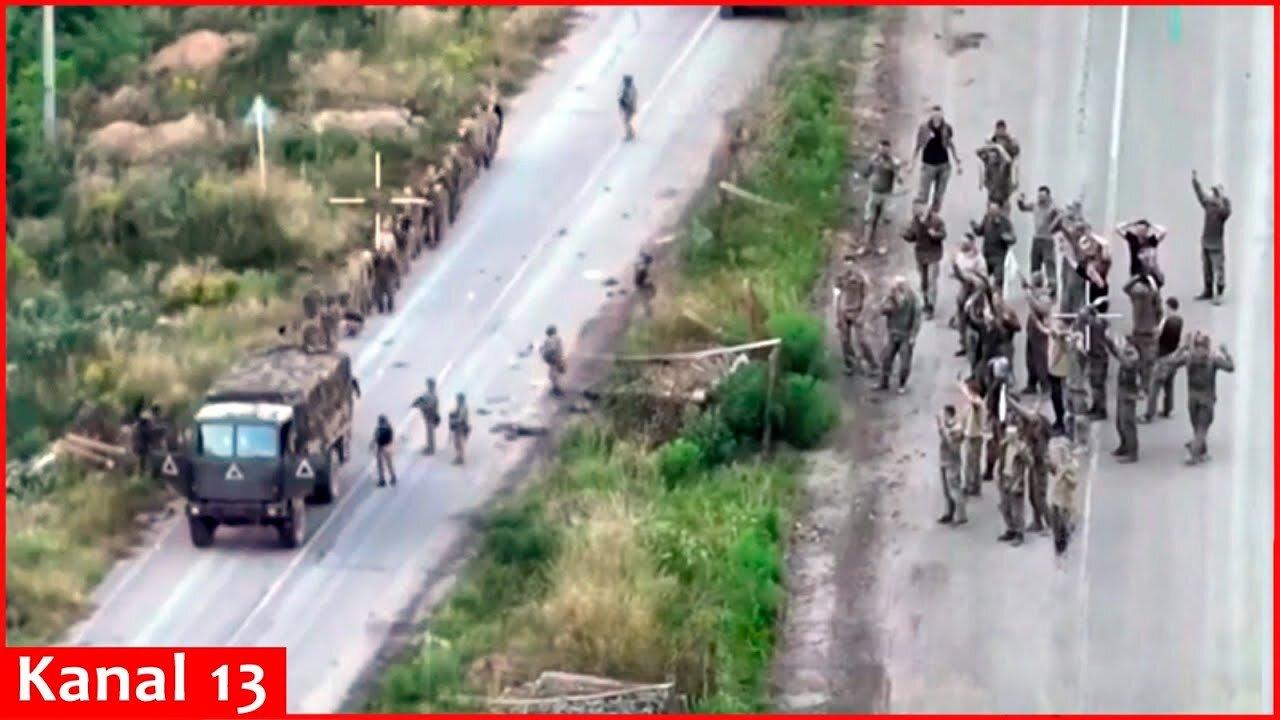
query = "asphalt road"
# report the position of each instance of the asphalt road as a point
(565, 206)
(1164, 603)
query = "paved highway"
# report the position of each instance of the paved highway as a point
(565, 205)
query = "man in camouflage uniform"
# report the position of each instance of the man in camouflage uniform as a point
(459, 429)
(1068, 233)
(428, 403)
(1202, 371)
(851, 293)
(883, 174)
(997, 235)
(1128, 386)
(975, 433)
(1039, 310)
(1099, 367)
(1002, 137)
(1014, 459)
(1036, 432)
(452, 171)
(950, 435)
(970, 272)
(1169, 338)
(1072, 340)
(927, 232)
(385, 273)
(996, 176)
(1063, 507)
(628, 104)
(1145, 296)
(1217, 208)
(901, 310)
(552, 352)
(1045, 216)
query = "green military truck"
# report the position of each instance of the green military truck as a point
(271, 435)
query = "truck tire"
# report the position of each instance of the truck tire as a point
(202, 529)
(328, 490)
(293, 529)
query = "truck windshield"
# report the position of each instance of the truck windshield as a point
(256, 441)
(217, 440)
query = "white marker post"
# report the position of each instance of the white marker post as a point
(261, 116)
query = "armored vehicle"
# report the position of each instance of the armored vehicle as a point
(271, 435)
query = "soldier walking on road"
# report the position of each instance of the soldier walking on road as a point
(975, 432)
(553, 355)
(850, 297)
(1169, 338)
(428, 403)
(627, 104)
(1128, 385)
(971, 272)
(997, 235)
(1217, 208)
(1036, 433)
(1040, 307)
(882, 175)
(902, 319)
(996, 177)
(951, 435)
(935, 149)
(1045, 216)
(1014, 459)
(1202, 372)
(1062, 507)
(382, 438)
(384, 279)
(459, 429)
(1145, 296)
(926, 232)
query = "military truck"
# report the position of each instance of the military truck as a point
(271, 435)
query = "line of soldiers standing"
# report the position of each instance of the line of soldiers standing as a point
(1066, 350)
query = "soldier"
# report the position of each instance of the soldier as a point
(1059, 368)
(1143, 239)
(627, 104)
(459, 428)
(1202, 370)
(997, 337)
(1039, 308)
(1217, 208)
(1070, 230)
(996, 177)
(926, 232)
(644, 285)
(996, 232)
(901, 310)
(384, 280)
(935, 149)
(1062, 507)
(850, 296)
(978, 315)
(1073, 343)
(143, 433)
(1045, 216)
(1099, 367)
(1011, 147)
(882, 175)
(1145, 296)
(330, 319)
(1128, 385)
(995, 384)
(1014, 460)
(382, 437)
(552, 351)
(951, 435)
(428, 403)
(1036, 432)
(975, 433)
(971, 272)
(1169, 338)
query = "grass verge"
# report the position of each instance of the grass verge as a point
(650, 558)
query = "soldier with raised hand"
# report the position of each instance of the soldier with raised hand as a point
(1169, 337)
(459, 428)
(1202, 373)
(1217, 208)
(1145, 296)
(997, 235)
(901, 310)
(381, 445)
(1014, 460)
(975, 433)
(883, 173)
(1002, 137)
(1036, 433)
(927, 232)
(850, 297)
(970, 271)
(428, 403)
(552, 352)
(951, 436)
(1063, 509)
(1046, 217)
(1039, 309)
(996, 177)
(1128, 386)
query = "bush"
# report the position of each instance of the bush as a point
(520, 536)
(678, 460)
(810, 409)
(741, 401)
(711, 433)
(804, 349)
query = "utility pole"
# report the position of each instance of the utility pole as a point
(50, 112)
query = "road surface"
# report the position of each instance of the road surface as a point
(1164, 603)
(565, 206)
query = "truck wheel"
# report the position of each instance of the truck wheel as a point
(201, 530)
(293, 529)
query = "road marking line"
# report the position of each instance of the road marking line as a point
(276, 586)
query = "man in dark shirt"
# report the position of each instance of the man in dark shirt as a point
(882, 175)
(1143, 238)
(1217, 208)
(935, 149)
(996, 232)
(1168, 338)
(382, 437)
(926, 233)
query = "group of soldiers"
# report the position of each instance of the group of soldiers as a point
(1069, 342)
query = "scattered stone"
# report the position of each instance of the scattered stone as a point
(513, 430)
(399, 364)
(562, 232)
(610, 281)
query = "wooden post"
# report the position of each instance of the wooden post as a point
(768, 397)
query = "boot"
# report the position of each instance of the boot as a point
(1036, 526)
(945, 519)
(1007, 536)
(1016, 540)
(1206, 295)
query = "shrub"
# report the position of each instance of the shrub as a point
(711, 433)
(810, 409)
(804, 350)
(741, 401)
(519, 536)
(678, 460)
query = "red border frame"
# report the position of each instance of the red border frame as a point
(4, 701)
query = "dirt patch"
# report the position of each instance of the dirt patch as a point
(133, 143)
(965, 41)
(365, 123)
(198, 51)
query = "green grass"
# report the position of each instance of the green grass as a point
(662, 557)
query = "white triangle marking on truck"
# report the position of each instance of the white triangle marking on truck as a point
(233, 473)
(304, 470)
(169, 467)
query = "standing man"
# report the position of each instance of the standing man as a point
(428, 403)
(975, 431)
(384, 280)
(1007, 143)
(996, 232)
(971, 272)
(459, 429)
(1169, 338)
(1035, 430)
(1143, 239)
(1039, 309)
(935, 149)
(997, 175)
(627, 103)
(644, 284)
(1013, 478)
(1217, 208)
(553, 355)
(951, 436)
(382, 437)
(1059, 370)
(882, 175)
(1128, 385)
(901, 310)
(1045, 217)
(926, 233)
(1202, 373)
(851, 293)
(1145, 296)
(1062, 507)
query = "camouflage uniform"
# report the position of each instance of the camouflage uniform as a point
(997, 174)
(1014, 459)
(1099, 367)
(552, 352)
(1202, 370)
(428, 403)
(902, 319)
(1128, 385)
(382, 439)
(1036, 431)
(1217, 208)
(384, 280)
(1146, 321)
(852, 285)
(1062, 507)
(997, 235)
(927, 234)
(459, 429)
(951, 436)
(975, 432)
